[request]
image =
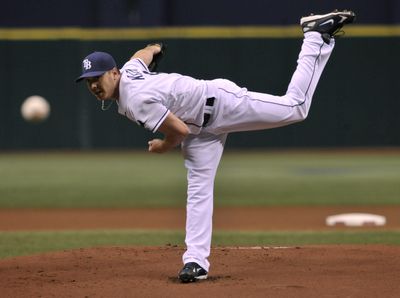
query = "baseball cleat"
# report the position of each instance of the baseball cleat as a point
(328, 24)
(192, 272)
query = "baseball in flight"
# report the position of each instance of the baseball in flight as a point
(35, 109)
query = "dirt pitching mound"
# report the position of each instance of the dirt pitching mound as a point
(310, 271)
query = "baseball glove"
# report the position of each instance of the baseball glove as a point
(156, 58)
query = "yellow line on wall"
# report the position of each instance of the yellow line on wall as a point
(148, 33)
(293, 31)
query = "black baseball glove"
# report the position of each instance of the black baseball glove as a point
(156, 58)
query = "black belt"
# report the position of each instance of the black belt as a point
(207, 116)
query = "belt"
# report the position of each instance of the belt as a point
(208, 109)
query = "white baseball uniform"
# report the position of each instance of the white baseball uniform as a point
(147, 98)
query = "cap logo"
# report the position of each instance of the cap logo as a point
(87, 64)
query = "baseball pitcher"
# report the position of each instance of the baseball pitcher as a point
(199, 114)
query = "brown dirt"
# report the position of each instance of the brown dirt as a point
(239, 218)
(306, 271)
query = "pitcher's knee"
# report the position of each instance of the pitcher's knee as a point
(298, 114)
(302, 114)
(299, 107)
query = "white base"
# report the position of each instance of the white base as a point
(356, 220)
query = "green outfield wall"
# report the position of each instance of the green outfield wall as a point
(356, 103)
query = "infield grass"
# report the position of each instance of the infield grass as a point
(131, 179)
(28, 243)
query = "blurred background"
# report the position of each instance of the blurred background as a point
(81, 157)
(42, 43)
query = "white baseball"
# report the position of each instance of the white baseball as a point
(35, 109)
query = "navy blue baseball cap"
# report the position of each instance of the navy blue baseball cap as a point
(96, 64)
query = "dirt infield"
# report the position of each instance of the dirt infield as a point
(305, 271)
(325, 271)
(233, 218)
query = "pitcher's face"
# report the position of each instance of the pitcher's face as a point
(105, 86)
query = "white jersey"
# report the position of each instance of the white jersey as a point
(147, 97)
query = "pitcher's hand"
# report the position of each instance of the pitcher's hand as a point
(157, 146)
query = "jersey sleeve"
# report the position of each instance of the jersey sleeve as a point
(138, 64)
(150, 114)
(142, 106)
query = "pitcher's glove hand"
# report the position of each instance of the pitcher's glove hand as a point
(157, 57)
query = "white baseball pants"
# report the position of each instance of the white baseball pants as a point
(237, 109)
